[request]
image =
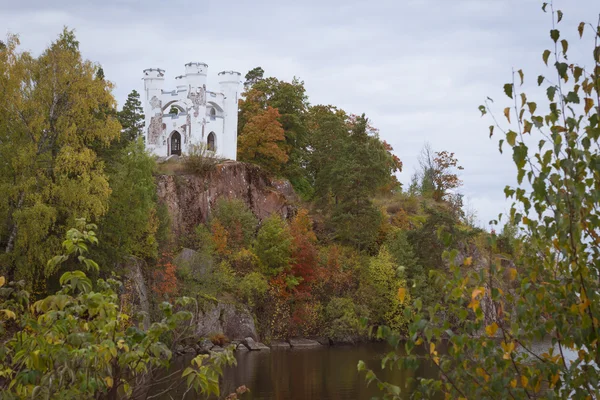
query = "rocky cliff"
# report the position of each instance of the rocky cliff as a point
(189, 198)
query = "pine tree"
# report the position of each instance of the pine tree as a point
(131, 118)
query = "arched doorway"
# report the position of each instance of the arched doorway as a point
(175, 143)
(210, 142)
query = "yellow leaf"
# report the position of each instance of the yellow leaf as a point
(524, 381)
(474, 305)
(2, 281)
(468, 261)
(507, 113)
(513, 383)
(9, 314)
(589, 103)
(419, 342)
(402, 294)
(431, 348)
(476, 292)
(109, 381)
(512, 273)
(555, 378)
(508, 348)
(491, 329)
(584, 305)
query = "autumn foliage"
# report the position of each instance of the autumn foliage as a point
(261, 141)
(164, 276)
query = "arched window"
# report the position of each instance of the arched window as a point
(210, 143)
(213, 114)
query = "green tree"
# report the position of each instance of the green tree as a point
(78, 343)
(273, 246)
(253, 76)
(290, 100)
(529, 329)
(360, 166)
(131, 118)
(52, 111)
(130, 226)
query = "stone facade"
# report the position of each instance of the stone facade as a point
(199, 117)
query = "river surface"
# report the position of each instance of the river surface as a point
(323, 373)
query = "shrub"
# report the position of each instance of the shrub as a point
(78, 344)
(343, 319)
(244, 261)
(237, 219)
(218, 339)
(253, 288)
(200, 160)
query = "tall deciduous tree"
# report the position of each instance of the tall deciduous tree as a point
(52, 109)
(438, 173)
(262, 141)
(290, 99)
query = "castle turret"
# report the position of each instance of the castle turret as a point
(229, 83)
(153, 83)
(195, 74)
(154, 79)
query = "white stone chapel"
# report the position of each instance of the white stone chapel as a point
(191, 114)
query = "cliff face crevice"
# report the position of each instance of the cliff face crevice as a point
(190, 198)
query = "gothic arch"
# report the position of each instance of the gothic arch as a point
(211, 142)
(174, 143)
(215, 106)
(175, 103)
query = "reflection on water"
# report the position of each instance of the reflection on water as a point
(312, 374)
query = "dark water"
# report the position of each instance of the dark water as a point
(324, 373)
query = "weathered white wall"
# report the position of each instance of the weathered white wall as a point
(194, 121)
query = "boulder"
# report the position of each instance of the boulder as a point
(254, 345)
(232, 320)
(345, 340)
(262, 346)
(304, 343)
(242, 347)
(323, 341)
(251, 344)
(217, 349)
(204, 346)
(280, 345)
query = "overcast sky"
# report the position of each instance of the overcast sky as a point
(417, 68)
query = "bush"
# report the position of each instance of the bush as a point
(200, 160)
(253, 288)
(237, 219)
(218, 339)
(78, 344)
(343, 319)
